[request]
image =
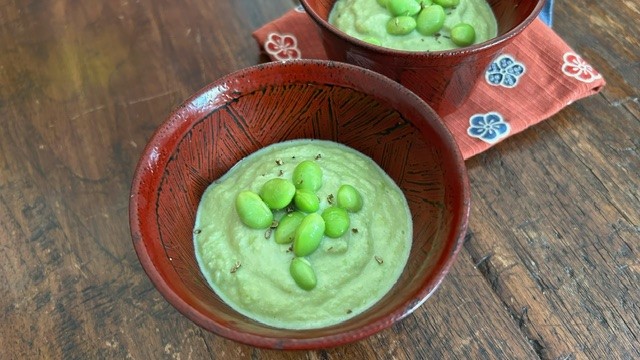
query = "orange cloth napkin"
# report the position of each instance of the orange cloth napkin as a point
(535, 77)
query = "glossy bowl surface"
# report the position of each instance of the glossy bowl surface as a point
(444, 79)
(257, 106)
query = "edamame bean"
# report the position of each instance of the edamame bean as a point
(463, 34)
(277, 193)
(403, 7)
(306, 200)
(349, 198)
(373, 40)
(447, 3)
(430, 20)
(308, 235)
(253, 212)
(425, 3)
(307, 175)
(286, 230)
(336, 221)
(401, 25)
(302, 273)
(383, 3)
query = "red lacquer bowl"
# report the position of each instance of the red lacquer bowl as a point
(444, 79)
(249, 109)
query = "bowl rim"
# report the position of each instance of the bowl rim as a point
(472, 49)
(153, 158)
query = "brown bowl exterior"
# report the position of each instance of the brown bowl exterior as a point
(269, 103)
(444, 79)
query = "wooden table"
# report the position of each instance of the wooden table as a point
(549, 270)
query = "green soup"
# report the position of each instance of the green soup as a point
(250, 271)
(367, 19)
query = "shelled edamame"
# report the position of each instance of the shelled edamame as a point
(416, 25)
(301, 224)
(427, 17)
(255, 270)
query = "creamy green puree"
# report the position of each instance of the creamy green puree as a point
(250, 271)
(366, 19)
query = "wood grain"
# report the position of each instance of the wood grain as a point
(549, 270)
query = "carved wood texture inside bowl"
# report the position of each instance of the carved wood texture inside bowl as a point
(216, 142)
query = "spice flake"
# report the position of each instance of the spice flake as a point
(235, 267)
(330, 199)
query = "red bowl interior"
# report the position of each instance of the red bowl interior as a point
(264, 104)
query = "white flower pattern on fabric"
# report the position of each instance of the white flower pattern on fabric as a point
(504, 71)
(282, 46)
(489, 127)
(574, 66)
